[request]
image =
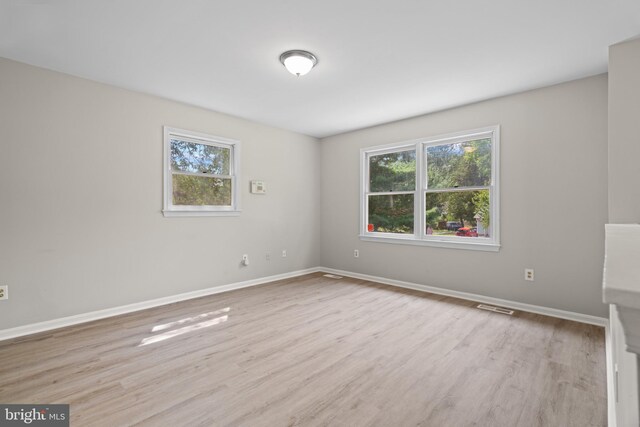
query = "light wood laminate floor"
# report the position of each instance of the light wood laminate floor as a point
(315, 351)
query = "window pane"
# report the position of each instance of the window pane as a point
(201, 190)
(391, 214)
(199, 158)
(458, 213)
(392, 172)
(463, 164)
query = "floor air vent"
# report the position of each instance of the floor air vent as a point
(332, 276)
(495, 309)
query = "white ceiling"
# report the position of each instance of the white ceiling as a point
(379, 60)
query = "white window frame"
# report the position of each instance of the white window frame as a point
(234, 174)
(420, 237)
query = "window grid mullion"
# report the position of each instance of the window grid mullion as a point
(457, 189)
(207, 175)
(418, 198)
(390, 193)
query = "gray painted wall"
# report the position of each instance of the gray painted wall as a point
(624, 132)
(553, 191)
(81, 227)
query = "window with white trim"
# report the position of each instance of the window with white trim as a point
(200, 174)
(440, 191)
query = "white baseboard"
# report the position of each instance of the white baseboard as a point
(553, 312)
(130, 308)
(48, 325)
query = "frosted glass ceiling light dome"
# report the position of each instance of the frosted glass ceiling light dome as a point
(298, 62)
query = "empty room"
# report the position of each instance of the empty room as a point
(356, 213)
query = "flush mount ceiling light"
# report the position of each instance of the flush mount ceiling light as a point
(298, 62)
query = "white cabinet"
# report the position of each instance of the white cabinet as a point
(625, 376)
(621, 289)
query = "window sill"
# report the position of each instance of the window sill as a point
(174, 213)
(474, 246)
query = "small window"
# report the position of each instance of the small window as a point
(200, 174)
(440, 191)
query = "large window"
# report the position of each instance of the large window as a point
(440, 191)
(200, 174)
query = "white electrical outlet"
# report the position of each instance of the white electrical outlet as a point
(528, 274)
(245, 259)
(4, 292)
(284, 253)
(356, 253)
